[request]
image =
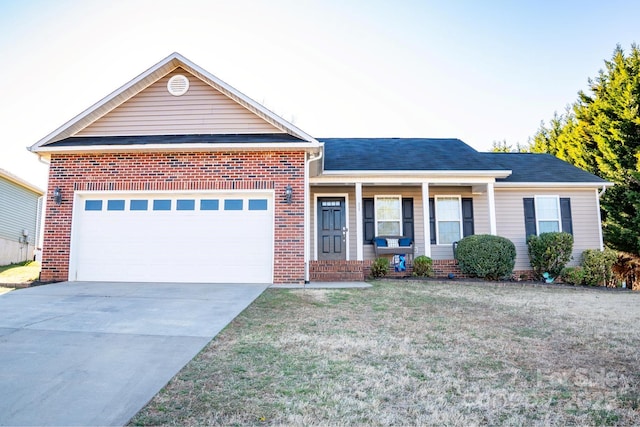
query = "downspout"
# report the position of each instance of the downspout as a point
(599, 194)
(307, 226)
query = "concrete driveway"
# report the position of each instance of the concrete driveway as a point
(95, 353)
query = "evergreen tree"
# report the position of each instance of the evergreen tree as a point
(600, 133)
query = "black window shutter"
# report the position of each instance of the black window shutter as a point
(432, 220)
(529, 216)
(565, 215)
(407, 217)
(368, 221)
(467, 217)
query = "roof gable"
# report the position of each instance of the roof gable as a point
(147, 79)
(201, 110)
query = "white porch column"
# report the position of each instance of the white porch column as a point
(425, 219)
(492, 209)
(359, 230)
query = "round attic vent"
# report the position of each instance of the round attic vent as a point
(178, 85)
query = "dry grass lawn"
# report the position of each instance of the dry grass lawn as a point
(416, 353)
(24, 272)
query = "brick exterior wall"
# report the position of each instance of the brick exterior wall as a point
(179, 171)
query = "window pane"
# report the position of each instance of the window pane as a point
(162, 205)
(186, 205)
(139, 205)
(115, 205)
(448, 209)
(93, 205)
(208, 205)
(257, 204)
(547, 208)
(389, 228)
(388, 208)
(449, 232)
(233, 205)
(548, 226)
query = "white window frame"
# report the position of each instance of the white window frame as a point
(375, 211)
(539, 218)
(459, 198)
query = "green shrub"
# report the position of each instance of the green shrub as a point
(572, 275)
(486, 256)
(549, 252)
(597, 266)
(422, 266)
(380, 267)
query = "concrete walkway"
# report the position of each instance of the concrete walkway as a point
(324, 285)
(95, 353)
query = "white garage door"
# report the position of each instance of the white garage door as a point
(210, 238)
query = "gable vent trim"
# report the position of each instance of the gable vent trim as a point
(178, 85)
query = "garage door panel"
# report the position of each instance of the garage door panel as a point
(176, 246)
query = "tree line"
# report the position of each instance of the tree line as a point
(600, 133)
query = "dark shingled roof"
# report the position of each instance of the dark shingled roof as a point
(399, 154)
(533, 167)
(79, 141)
(430, 154)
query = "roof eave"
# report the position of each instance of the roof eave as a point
(21, 182)
(486, 173)
(138, 148)
(554, 184)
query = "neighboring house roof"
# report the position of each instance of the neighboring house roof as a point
(403, 154)
(19, 181)
(255, 138)
(536, 167)
(144, 80)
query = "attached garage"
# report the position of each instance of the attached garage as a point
(209, 237)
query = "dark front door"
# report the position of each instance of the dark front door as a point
(332, 231)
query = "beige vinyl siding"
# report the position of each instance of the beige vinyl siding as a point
(202, 110)
(584, 217)
(480, 216)
(414, 192)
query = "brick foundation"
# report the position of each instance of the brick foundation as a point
(347, 271)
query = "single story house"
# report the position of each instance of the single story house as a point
(179, 177)
(20, 218)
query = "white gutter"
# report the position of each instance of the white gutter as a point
(307, 227)
(265, 146)
(553, 184)
(488, 173)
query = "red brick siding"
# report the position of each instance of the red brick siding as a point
(179, 171)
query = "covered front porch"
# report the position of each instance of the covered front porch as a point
(348, 212)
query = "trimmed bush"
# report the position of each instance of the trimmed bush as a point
(598, 267)
(572, 275)
(549, 252)
(486, 256)
(380, 267)
(422, 266)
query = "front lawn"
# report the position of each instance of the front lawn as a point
(21, 273)
(416, 353)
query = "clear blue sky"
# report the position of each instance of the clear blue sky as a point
(481, 71)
